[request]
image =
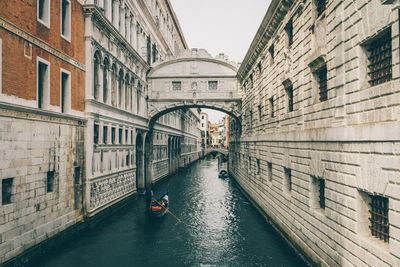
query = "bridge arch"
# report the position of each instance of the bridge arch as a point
(194, 79)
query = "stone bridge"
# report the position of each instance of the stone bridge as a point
(194, 80)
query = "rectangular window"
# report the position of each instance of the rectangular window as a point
(50, 181)
(43, 12)
(271, 51)
(176, 86)
(212, 85)
(113, 135)
(318, 193)
(322, 79)
(120, 136)
(379, 52)
(269, 164)
(289, 96)
(66, 19)
(96, 134)
(320, 6)
(105, 134)
(257, 166)
(77, 175)
(259, 67)
(288, 179)
(271, 107)
(43, 83)
(65, 91)
(6, 190)
(379, 217)
(259, 112)
(132, 137)
(126, 136)
(289, 32)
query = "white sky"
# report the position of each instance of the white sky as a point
(220, 26)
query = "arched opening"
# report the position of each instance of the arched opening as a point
(148, 159)
(140, 181)
(106, 70)
(96, 74)
(114, 85)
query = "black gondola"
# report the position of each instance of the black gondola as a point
(158, 206)
(223, 174)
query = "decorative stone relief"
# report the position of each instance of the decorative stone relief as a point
(106, 190)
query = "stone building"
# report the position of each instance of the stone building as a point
(319, 151)
(204, 129)
(42, 74)
(123, 39)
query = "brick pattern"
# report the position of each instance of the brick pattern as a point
(350, 140)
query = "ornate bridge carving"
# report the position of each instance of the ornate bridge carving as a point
(194, 79)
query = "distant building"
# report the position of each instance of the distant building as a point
(204, 129)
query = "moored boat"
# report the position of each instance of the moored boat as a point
(223, 174)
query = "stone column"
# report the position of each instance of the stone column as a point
(100, 88)
(128, 26)
(108, 9)
(116, 14)
(122, 19)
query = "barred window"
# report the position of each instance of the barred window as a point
(271, 106)
(289, 96)
(269, 164)
(288, 179)
(321, 6)
(50, 181)
(379, 220)
(380, 59)
(213, 85)
(6, 190)
(289, 32)
(271, 51)
(321, 183)
(176, 86)
(322, 78)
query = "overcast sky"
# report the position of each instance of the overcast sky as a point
(220, 26)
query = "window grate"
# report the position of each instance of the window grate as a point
(321, 193)
(321, 6)
(379, 217)
(322, 75)
(289, 32)
(380, 59)
(289, 91)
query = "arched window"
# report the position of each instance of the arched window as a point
(106, 70)
(120, 87)
(96, 75)
(127, 92)
(138, 96)
(114, 85)
(132, 88)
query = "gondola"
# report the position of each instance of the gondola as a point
(158, 206)
(223, 174)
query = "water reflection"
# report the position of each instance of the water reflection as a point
(211, 224)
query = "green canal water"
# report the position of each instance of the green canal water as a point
(215, 225)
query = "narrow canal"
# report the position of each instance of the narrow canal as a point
(214, 226)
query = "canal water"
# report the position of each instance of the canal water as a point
(212, 224)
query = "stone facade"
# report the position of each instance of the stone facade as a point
(124, 39)
(41, 122)
(320, 129)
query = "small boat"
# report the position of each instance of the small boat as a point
(223, 174)
(159, 206)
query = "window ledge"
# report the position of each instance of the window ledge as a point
(44, 23)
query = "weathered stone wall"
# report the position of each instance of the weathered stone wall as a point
(32, 144)
(351, 140)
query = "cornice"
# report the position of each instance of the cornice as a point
(109, 30)
(10, 27)
(276, 12)
(177, 25)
